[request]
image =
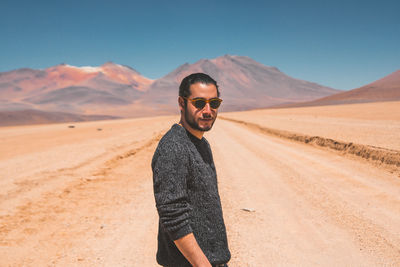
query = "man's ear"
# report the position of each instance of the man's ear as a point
(181, 103)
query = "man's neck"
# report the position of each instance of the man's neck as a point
(198, 134)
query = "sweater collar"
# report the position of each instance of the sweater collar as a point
(193, 138)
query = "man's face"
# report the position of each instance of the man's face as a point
(201, 119)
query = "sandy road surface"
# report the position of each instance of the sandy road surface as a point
(309, 207)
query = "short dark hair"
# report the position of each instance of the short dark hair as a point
(184, 88)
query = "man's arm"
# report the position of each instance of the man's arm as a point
(191, 250)
(170, 169)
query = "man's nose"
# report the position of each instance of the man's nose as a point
(207, 108)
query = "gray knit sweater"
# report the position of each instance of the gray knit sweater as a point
(187, 198)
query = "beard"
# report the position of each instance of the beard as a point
(195, 125)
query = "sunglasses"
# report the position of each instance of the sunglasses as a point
(200, 103)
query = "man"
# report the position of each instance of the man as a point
(191, 227)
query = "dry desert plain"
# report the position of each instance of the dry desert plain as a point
(83, 196)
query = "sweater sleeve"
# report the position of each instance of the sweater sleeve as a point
(170, 170)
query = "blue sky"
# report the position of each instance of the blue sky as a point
(341, 44)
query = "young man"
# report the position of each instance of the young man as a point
(191, 226)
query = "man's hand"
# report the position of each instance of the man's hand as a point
(192, 251)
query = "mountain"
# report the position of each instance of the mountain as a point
(244, 84)
(118, 90)
(23, 117)
(385, 89)
(69, 88)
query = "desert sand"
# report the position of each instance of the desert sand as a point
(83, 196)
(375, 124)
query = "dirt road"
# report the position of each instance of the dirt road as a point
(284, 204)
(311, 207)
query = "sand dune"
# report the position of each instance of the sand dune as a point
(83, 196)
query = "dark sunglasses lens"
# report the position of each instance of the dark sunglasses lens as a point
(199, 103)
(215, 103)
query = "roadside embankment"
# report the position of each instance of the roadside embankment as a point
(376, 154)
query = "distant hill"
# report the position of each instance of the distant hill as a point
(385, 89)
(23, 117)
(66, 88)
(121, 91)
(244, 84)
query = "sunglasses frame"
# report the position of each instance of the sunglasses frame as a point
(205, 100)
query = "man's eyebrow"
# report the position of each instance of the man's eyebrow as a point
(195, 98)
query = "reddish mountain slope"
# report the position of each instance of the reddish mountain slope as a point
(68, 88)
(244, 84)
(117, 90)
(385, 89)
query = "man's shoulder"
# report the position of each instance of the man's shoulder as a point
(173, 145)
(176, 134)
(174, 139)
